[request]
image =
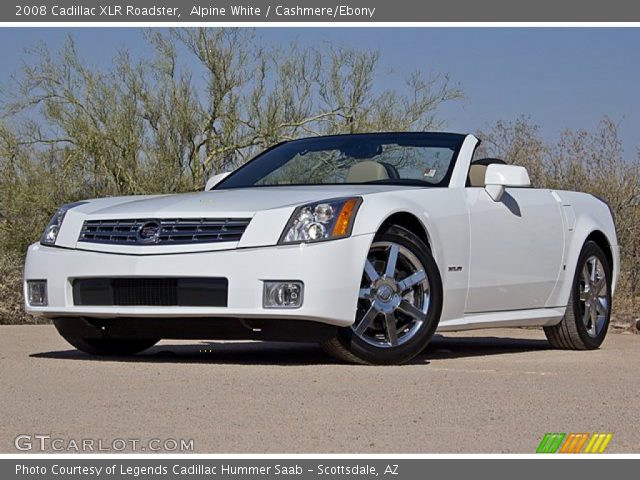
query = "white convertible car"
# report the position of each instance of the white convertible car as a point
(364, 243)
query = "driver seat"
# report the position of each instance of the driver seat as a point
(370, 171)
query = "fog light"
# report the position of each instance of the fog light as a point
(282, 294)
(37, 293)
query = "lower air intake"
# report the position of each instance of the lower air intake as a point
(151, 292)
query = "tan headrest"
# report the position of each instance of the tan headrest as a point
(476, 175)
(366, 171)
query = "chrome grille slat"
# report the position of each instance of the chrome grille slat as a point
(173, 231)
(191, 233)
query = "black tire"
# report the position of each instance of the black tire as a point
(110, 346)
(350, 347)
(574, 332)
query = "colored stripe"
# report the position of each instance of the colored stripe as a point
(599, 440)
(590, 444)
(568, 444)
(577, 438)
(582, 441)
(606, 441)
(542, 447)
(556, 444)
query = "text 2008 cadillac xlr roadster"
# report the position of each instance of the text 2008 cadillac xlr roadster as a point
(364, 243)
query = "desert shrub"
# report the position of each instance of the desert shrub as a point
(11, 304)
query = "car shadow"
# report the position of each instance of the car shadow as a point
(442, 347)
(292, 354)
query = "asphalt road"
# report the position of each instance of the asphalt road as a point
(493, 391)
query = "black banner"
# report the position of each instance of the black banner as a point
(372, 11)
(317, 469)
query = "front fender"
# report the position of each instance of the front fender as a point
(444, 215)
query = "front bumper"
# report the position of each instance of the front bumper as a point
(331, 272)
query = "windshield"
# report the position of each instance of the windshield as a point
(422, 159)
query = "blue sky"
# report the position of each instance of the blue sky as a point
(561, 77)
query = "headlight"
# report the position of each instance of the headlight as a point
(51, 232)
(326, 220)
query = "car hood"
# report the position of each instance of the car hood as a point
(268, 207)
(230, 202)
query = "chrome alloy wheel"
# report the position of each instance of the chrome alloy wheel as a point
(593, 289)
(394, 296)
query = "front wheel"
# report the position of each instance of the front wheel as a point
(399, 303)
(586, 319)
(111, 346)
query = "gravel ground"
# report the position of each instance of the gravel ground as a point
(486, 391)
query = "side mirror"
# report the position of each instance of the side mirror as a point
(216, 179)
(500, 176)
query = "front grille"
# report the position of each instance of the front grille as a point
(157, 292)
(175, 231)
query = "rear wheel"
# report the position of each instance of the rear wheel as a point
(110, 346)
(585, 322)
(399, 303)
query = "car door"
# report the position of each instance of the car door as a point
(516, 249)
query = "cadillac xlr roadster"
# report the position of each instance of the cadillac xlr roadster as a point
(364, 243)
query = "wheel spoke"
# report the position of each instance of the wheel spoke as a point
(426, 299)
(586, 276)
(601, 306)
(411, 310)
(594, 268)
(599, 324)
(594, 316)
(392, 260)
(600, 284)
(371, 271)
(587, 314)
(366, 321)
(412, 280)
(390, 325)
(365, 294)
(584, 296)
